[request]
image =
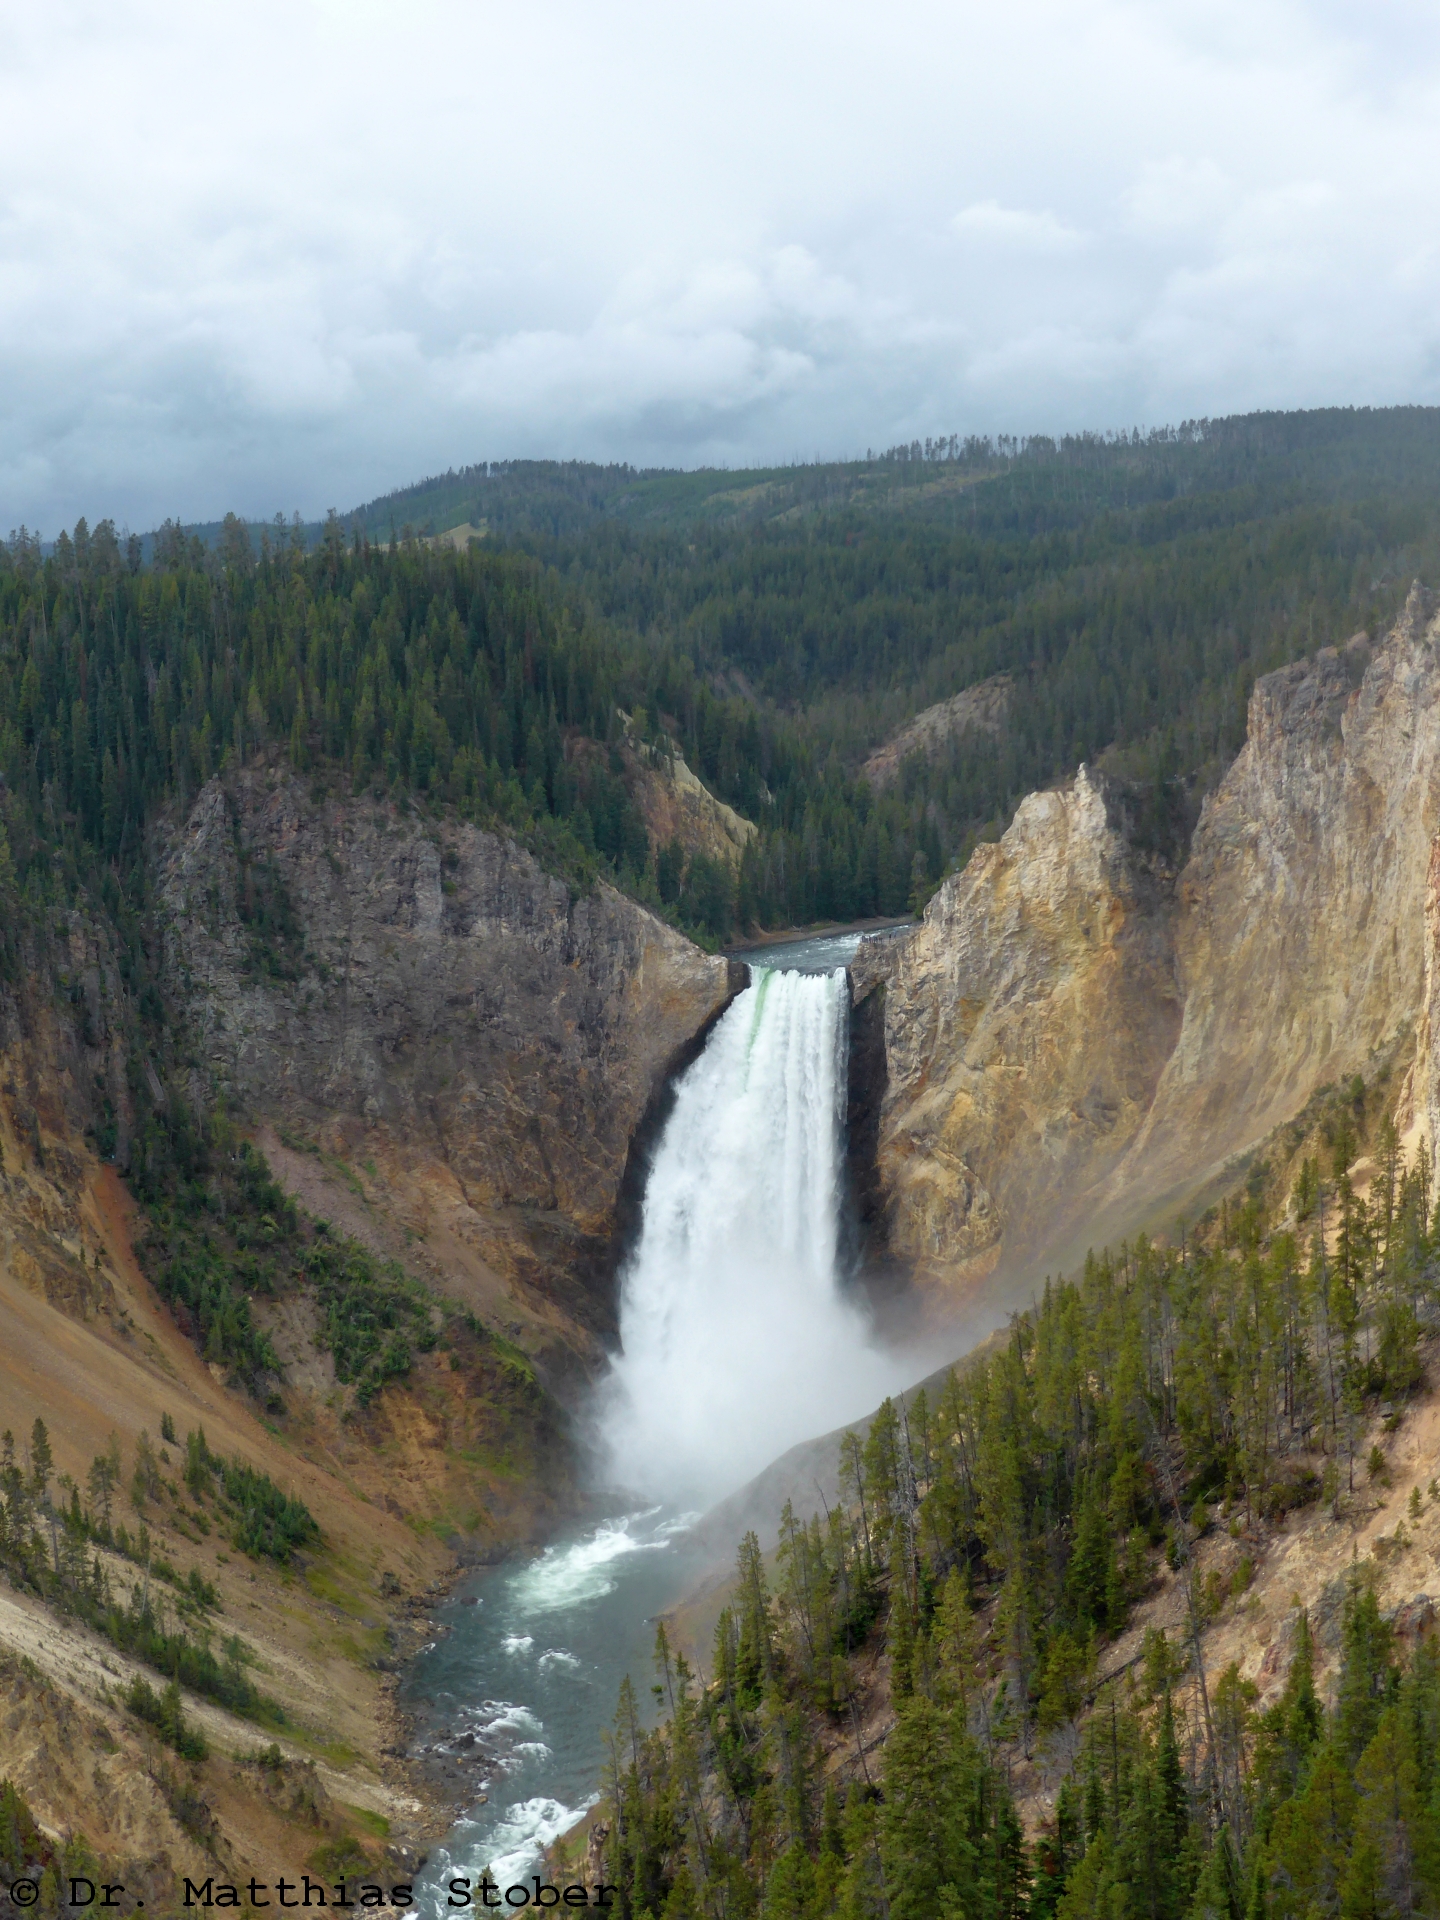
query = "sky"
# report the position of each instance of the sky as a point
(267, 257)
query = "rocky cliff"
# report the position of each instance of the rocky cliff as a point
(445, 1054)
(1027, 1021)
(677, 805)
(450, 1054)
(1076, 1043)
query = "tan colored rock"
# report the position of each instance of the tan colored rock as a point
(1420, 1104)
(677, 805)
(1026, 1024)
(1301, 909)
(1076, 1047)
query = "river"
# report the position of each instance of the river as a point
(527, 1677)
(739, 1338)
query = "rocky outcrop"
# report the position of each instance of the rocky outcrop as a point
(1076, 1045)
(67, 1035)
(979, 709)
(677, 805)
(1425, 1081)
(1027, 1021)
(1301, 909)
(423, 1004)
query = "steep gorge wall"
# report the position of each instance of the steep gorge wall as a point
(1077, 1042)
(446, 1054)
(1026, 1024)
(87, 1346)
(475, 1047)
(1299, 929)
(442, 1052)
(509, 1214)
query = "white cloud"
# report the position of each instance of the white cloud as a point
(297, 255)
(1017, 227)
(1178, 198)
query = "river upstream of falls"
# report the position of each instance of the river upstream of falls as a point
(738, 1340)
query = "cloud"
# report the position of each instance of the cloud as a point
(1180, 198)
(297, 255)
(1016, 227)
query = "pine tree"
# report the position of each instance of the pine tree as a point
(1367, 1673)
(792, 1891)
(926, 1842)
(1215, 1894)
(42, 1462)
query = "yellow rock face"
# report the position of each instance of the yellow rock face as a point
(1077, 1042)
(1026, 1024)
(677, 805)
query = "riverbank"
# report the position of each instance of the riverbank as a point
(822, 930)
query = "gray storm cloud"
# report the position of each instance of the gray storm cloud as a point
(291, 256)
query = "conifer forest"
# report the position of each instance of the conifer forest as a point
(990, 1542)
(772, 633)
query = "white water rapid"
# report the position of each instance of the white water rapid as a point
(737, 1338)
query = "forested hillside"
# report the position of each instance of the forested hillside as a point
(987, 1552)
(468, 680)
(772, 627)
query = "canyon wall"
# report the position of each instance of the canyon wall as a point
(465, 1050)
(87, 1346)
(445, 1053)
(1078, 1043)
(442, 1051)
(1026, 1024)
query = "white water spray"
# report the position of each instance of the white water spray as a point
(737, 1339)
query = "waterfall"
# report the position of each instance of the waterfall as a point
(737, 1337)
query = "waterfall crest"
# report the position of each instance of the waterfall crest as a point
(737, 1338)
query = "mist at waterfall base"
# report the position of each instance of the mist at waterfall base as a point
(737, 1336)
(739, 1340)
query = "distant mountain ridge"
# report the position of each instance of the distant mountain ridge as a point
(1365, 447)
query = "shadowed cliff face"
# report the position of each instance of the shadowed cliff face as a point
(1076, 1045)
(469, 1049)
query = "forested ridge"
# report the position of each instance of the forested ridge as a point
(771, 628)
(988, 1547)
(470, 680)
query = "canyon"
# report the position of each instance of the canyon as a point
(460, 1062)
(450, 1058)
